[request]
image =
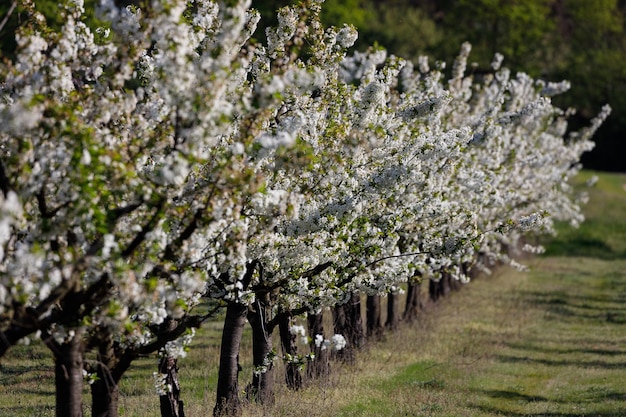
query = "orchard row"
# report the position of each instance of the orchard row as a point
(168, 161)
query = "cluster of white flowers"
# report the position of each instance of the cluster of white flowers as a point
(267, 363)
(10, 212)
(336, 343)
(160, 383)
(90, 377)
(299, 330)
(178, 348)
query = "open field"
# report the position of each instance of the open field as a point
(551, 342)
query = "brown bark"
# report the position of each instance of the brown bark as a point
(293, 377)
(104, 398)
(373, 322)
(413, 300)
(261, 389)
(348, 323)
(443, 287)
(105, 390)
(171, 404)
(319, 367)
(68, 375)
(355, 321)
(227, 402)
(438, 289)
(454, 283)
(393, 300)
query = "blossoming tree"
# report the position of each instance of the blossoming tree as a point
(122, 177)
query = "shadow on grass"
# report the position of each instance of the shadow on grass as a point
(582, 246)
(6, 370)
(590, 397)
(511, 395)
(30, 410)
(576, 363)
(604, 308)
(18, 375)
(587, 301)
(42, 391)
(567, 351)
(499, 412)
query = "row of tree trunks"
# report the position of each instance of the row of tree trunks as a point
(347, 321)
(69, 356)
(374, 324)
(443, 287)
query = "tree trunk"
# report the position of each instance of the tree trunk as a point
(104, 398)
(104, 390)
(319, 367)
(357, 337)
(469, 270)
(435, 289)
(227, 402)
(413, 300)
(444, 286)
(374, 326)
(393, 300)
(453, 283)
(293, 377)
(348, 322)
(262, 388)
(440, 288)
(171, 404)
(68, 375)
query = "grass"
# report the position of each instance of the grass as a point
(602, 234)
(551, 342)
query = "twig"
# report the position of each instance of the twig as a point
(6, 18)
(396, 256)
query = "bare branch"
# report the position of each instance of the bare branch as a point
(402, 255)
(6, 18)
(5, 184)
(146, 228)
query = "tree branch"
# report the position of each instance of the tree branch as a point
(185, 234)
(6, 18)
(145, 229)
(118, 212)
(402, 255)
(5, 184)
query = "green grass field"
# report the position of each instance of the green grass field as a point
(550, 342)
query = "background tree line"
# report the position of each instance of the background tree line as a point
(581, 41)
